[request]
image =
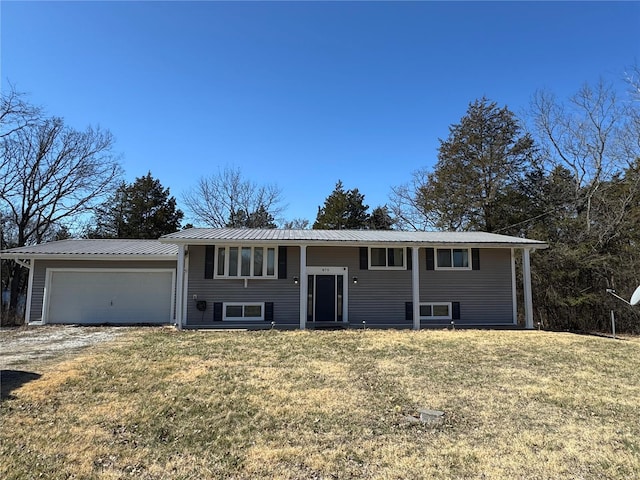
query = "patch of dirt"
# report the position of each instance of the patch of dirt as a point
(23, 345)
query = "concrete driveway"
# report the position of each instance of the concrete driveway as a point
(22, 349)
(26, 344)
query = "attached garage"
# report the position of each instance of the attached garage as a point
(99, 281)
(113, 296)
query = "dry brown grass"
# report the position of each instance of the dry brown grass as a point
(288, 405)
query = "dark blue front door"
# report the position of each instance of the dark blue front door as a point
(325, 294)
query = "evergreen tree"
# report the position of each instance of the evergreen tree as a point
(483, 156)
(343, 210)
(261, 218)
(380, 219)
(143, 209)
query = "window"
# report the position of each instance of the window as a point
(246, 262)
(391, 258)
(453, 258)
(435, 311)
(243, 311)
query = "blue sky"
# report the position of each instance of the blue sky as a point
(300, 94)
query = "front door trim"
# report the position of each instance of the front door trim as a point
(344, 271)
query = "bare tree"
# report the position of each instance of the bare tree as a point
(50, 174)
(224, 199)
(296, 224)
(407, 204)
(55, 173)
(16, 113)
(632, 77)
(589, 135)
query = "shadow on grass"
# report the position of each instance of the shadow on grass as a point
(13, 379)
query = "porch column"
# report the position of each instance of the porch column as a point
(303, 287)
(185, 287)
(180, 287)
(514, 287)
(526, 280)
(27, 308)
(415, 286)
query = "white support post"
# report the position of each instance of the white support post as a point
(415, 286)
(526, 279)
(514, 287)
(185, 288)
(303, 287)
(27, 308)
(180, 287)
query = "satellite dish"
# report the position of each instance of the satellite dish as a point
(635, 298)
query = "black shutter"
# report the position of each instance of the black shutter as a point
(282, 263)
(408, 311)
(217, 311)
(364, 258)
(455, 310)
(268, 312)
(208, 261)
(409, 259)
(475, 258)
(431, 263)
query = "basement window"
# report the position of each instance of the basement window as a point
(243, 311)
(435, 311)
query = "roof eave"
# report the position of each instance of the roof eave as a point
(90, 256)
(351, 243)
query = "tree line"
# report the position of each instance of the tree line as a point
(567, 172)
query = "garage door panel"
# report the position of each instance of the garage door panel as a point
(123, 297)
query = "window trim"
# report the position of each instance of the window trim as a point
(437, 304)
(265, 262)
(243, 305)
(469, 259)
(387, 267)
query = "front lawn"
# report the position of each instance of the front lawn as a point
(156, 403)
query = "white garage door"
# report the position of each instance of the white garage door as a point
(109, 296)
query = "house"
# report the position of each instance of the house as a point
(257, 278)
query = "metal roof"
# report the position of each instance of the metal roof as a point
(250, 235)
(76, 248)
(166, 247)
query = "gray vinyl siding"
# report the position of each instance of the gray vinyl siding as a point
(284, 293)
(40, 273)
(485, 295)
(378, 297)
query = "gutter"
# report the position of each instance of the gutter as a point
(349, 243)
(89, 256)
